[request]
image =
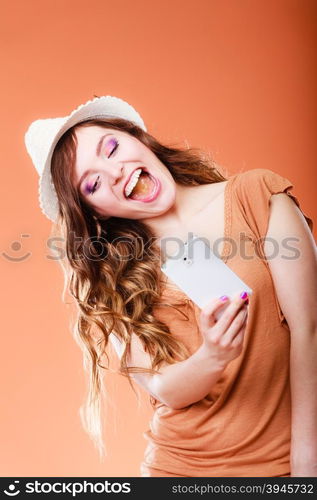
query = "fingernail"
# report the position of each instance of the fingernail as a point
(224, 298)
(243, 295)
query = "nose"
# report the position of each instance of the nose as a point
(116, 171)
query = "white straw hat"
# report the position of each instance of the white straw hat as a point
(43, 135)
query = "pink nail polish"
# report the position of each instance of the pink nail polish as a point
(224, 298)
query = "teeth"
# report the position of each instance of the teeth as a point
(132, 182)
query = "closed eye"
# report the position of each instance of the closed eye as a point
(90, 190)
(116, 146)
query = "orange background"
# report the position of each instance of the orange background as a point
(237, 78)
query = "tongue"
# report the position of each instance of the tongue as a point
(143, 187)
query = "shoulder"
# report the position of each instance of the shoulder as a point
(254, 190)
(251, 192)
(258, 176)
(255, 187)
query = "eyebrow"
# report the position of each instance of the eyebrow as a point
(98, 148)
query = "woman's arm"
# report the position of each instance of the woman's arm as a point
(295, 281)
(178, 385)
(186, 382)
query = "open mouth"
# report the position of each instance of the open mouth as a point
(145, 187)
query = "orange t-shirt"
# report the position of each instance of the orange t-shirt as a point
(243, 425)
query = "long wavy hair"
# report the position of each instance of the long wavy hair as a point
(113, 292)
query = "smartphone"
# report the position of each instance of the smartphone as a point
(200, 274)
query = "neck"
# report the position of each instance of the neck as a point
(189, 202)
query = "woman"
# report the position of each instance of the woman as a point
(222, 391)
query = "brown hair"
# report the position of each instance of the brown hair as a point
(114, 293)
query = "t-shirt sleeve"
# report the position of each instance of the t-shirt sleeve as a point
(255, 188)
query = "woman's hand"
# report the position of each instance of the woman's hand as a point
(224, 338)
